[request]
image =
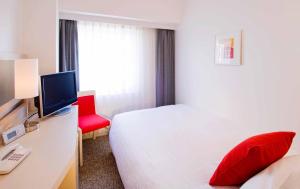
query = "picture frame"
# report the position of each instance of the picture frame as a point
(228, 49)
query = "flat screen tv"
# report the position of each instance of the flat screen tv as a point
(57, 92)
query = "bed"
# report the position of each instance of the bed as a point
(171, 147)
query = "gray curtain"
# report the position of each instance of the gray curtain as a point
(68, 47)
(165, 68)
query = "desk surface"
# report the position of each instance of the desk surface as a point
(53, 150)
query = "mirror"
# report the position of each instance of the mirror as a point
(6, 81)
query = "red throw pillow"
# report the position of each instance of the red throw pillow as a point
(250, 157)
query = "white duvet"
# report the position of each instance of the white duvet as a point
(171, 147)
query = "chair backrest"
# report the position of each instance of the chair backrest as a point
(86, 93)
(86, 103)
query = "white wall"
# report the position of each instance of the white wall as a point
(28, 31)
(166, 11)
(265, 91)
(41, 33)
(10, 28)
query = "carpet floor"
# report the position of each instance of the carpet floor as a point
(99, 170)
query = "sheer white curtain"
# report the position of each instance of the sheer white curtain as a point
(118, 62)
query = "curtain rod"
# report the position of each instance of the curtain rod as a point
(83, 16)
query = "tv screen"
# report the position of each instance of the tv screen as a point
(57, 91)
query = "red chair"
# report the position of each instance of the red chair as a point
(88, 120)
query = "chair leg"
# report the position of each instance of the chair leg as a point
(80, 148)
(94, 135)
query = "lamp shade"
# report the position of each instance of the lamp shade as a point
(26, 78)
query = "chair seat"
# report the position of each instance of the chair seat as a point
(90, 123)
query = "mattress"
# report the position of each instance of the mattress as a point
(171, 147)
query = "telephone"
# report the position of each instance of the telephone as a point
(11, 156)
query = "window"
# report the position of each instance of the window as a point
(118, 62)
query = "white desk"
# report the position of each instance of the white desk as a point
(53, 161)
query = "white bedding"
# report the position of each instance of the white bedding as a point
(171, 147)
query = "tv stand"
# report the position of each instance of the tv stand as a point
(63, 111)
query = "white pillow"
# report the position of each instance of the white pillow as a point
(283, 174)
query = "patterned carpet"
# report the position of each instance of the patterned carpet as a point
(99, 168)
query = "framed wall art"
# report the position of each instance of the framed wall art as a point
(228, 50)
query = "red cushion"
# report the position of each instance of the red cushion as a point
(86, 105)
(90, 123)
(250, 157)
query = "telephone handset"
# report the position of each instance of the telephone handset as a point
(11, 156)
